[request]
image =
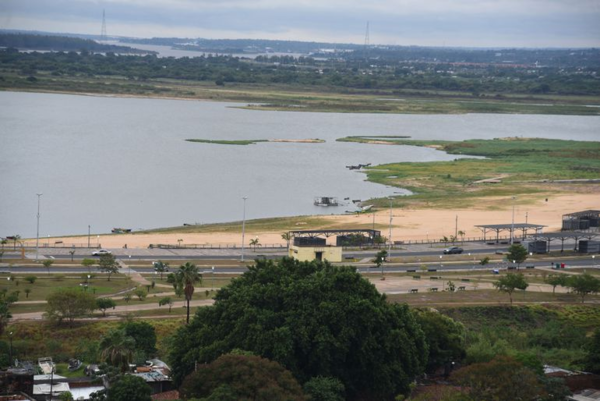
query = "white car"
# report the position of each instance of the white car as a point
(101, 252)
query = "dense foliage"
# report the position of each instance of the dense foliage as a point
(592, 359)
(69, 304)
(241, 377)
(314, 319)
(502, 379)
(445, 337)
(223, 69)
(129, 388)
(144, 335)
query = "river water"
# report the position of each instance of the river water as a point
(124, 162)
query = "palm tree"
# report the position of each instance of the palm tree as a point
(462, 235)
(254, 243)
(16, 238)
(117, 349)
(287, 237)
(184, 279)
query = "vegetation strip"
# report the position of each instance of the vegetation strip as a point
(509, 167)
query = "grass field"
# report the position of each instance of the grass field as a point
(522, 166)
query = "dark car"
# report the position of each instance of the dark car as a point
(453, 250)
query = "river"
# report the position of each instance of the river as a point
(124, 162)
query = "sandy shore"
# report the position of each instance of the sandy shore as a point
(408, 224)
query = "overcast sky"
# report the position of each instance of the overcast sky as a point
(481, 23)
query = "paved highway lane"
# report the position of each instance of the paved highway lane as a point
(395, 267)
(269, 253)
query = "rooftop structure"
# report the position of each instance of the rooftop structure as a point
(511, 228)
(585, 220)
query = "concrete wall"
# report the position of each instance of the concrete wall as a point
(308, 253)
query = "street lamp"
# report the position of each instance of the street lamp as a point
(89, 228)
(512, 224)
(10, 335)
(243, 226)
(37, 236)
(212, 278)
(390, 238)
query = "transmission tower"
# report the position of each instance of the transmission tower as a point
(103, 31)
(367, 42)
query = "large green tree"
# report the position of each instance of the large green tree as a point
(144, 335)
(316, 320)
(117, 349)
(446, 338)
(517, 253)
(592, 360)
(69, 304)
(130, 388)
(183, 280)
(245, 377)
(502, 379)
(105, 303)
(583, 284)
(510, 283)
(108, 264)
(556, 280)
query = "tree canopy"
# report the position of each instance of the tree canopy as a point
(108, 264)
(69, 304)
(316, 320)
(144, 335)
(130, 388)
(510, 283)
(446, 338)
(583, 284)
(517, 253)
(242, 377)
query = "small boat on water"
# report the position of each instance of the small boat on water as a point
(121, 230)
(326, 201)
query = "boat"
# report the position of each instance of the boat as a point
(121, 230)
(74, 364)
(46, 365)
(326, 201)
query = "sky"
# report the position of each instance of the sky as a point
(469, 23)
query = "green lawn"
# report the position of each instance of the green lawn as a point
(520, 163)
(45, 284)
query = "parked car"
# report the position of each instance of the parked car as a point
(101, 252)
(453, 250)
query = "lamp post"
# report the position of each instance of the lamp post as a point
(456, 228)
(89, 228)
(512, 224)
(10, 335)
(390, 238)
(37, 236)
(243, 227)
(212, 278)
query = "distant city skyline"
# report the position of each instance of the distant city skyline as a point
(466, 23)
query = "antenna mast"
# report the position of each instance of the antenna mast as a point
(103, 31)
(367, 41)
